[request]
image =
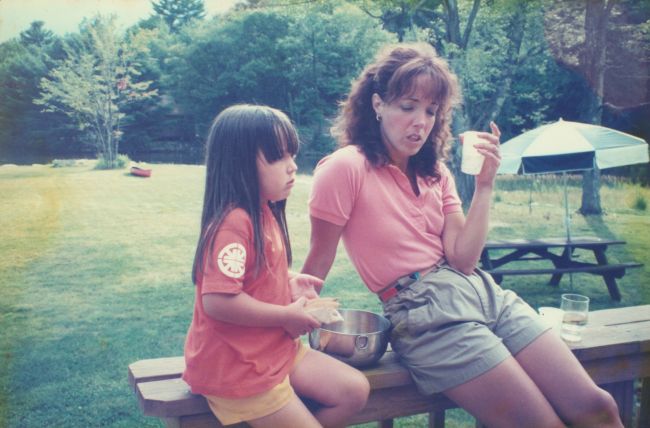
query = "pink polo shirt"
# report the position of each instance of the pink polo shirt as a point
(389, 231)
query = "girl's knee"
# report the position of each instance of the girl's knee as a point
(357, 390)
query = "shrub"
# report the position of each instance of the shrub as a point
(60, 163)
(121, 162)
(640, 203)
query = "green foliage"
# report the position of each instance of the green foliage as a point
(36, 35)
(100, 73)
(63, 163)
(300, 60)
(120, 162)
(178, 13)
(640, 203)
(23, 128)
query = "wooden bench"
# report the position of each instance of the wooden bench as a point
(615, 351)
(609, 273)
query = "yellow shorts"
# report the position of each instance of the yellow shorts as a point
(234, 410)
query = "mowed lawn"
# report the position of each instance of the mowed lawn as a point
(95, 274)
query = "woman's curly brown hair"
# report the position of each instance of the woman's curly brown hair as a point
(393, 75)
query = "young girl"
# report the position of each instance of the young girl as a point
(242, 350)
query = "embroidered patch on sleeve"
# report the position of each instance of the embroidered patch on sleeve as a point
(232, 260)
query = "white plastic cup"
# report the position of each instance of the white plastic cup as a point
(472, 160)
(552, 317)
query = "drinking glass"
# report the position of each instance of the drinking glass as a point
(576, 313)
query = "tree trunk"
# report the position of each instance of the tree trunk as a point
(593, 61)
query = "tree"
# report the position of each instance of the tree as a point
(98, 76)
(178, 13)
(36, 35)
(486, 79)
(605, 42)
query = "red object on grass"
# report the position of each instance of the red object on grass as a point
(140, 172)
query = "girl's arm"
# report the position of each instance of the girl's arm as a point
(322, 248)
(243, 309)
(464, 237)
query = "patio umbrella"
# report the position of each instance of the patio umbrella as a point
(565, 146)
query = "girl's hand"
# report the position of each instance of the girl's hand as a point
(297, 321)
(304, 285)
(489, 149)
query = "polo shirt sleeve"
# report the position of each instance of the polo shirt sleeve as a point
(337, 181)
(450, 200)
(230, 256)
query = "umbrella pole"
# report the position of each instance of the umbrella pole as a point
(567, 224)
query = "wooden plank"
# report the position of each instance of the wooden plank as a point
(624, 315)
(155, 369)
(580, 241)
(392, 403)
(169, 398)
(204, 420)
(616, 269)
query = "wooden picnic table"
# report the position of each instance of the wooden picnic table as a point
(561, 252)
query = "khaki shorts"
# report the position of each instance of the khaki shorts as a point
(449, 328)
(233, 410)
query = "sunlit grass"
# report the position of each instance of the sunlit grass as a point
(95, 274)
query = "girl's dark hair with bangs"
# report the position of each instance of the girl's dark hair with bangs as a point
(392, 75)
(236, 137)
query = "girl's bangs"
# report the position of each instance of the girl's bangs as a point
(285, 141)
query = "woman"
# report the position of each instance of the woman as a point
(389, 195)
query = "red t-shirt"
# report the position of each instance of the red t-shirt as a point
(230, 360)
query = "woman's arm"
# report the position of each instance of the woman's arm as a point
(242, 309)
(464, 237)
(322, 248)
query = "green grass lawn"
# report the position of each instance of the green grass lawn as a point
(95, 274)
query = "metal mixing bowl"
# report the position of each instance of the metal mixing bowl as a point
(359, 340)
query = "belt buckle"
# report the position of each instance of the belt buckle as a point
(400, 285)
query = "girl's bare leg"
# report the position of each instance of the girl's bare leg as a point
(294, 414)
(341, 389)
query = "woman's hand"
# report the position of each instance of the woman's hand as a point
(298, 322)
(490, 150)
(304, 285)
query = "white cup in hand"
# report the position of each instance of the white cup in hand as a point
(472, 160)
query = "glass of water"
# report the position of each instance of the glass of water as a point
(576, 313)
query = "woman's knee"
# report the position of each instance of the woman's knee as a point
(598, 408)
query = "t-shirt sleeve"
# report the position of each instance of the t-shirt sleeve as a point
(229, 259)
(450, 200)
(336, 184)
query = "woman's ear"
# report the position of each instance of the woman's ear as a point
(377, 103)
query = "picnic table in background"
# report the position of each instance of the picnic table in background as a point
(561, 252)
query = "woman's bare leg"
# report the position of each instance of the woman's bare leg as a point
(506, 396)
(567, 386)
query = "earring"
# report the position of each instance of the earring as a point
(378, 117)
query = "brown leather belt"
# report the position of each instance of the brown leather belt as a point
(403, 283)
